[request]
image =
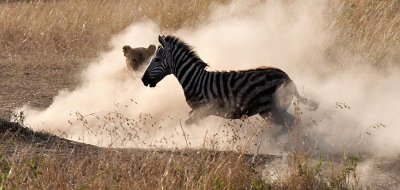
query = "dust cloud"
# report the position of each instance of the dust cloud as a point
(358, 106)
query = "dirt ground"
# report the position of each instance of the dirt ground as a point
(35, 81)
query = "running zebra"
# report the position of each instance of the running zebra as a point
(230, 94)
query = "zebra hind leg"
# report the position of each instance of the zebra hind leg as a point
(282, 118)
(279, 117)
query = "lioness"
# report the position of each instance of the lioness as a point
(136, 58)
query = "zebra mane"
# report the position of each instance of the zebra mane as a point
(175, 41)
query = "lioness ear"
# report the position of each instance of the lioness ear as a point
(151, 49)
(125, 49)
(162, 41)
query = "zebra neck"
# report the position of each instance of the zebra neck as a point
(190, 79)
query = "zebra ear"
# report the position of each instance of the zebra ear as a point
(162, 41)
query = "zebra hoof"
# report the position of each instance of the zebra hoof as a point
(188, 122)
(191, 121)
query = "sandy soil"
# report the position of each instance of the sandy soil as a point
(34, 81)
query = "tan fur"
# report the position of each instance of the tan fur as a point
(136, 58)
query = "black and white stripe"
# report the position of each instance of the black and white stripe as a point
(230, 94)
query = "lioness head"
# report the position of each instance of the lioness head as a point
(136, 58)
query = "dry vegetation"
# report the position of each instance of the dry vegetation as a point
(82, 28)
(38, 160)
(368, 28)
(80, 167)
(57, 35)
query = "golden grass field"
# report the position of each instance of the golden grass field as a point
(44, 44)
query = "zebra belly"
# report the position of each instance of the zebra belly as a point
(233, 113)
(248, 105)
(237, 111)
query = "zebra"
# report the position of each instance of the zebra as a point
(266, 91)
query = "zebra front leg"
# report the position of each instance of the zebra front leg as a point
(195, 116)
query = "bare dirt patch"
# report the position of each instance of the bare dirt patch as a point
(35, 80)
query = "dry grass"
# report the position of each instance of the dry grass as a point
(112, 169)
(36, 160)
(368, 28)
(45, 162)
(81, 28)
(73, 29)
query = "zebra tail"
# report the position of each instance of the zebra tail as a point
(313, 105)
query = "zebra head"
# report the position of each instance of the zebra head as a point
(160, 65)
